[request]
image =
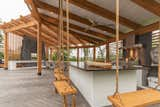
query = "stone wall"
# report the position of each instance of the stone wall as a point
(29, 45)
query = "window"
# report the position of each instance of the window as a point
(155, 38)
(112, 50)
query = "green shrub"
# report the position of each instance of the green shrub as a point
(1, 55)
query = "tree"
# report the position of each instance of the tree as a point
(1, 34)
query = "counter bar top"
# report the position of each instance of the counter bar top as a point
(81, 65)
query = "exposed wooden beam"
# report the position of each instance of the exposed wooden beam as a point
(84, 46)
(34, 11)
(85, 37)
(55, 21)
(51, 20)
(75, 17)
(150, 5)
(54, 26)
(139, 31)
(55, 29)
(21, 26)
(45, 32)
(30, 32)
(104, 13)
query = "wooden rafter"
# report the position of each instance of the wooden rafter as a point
(31, 33)
(150, 5)
(95, 34)
(51, 8)
(84, 37)
(139, 31)
(34, 11)
(55, 29)
(44, 33)
(21, 26)
(104, 12)
(74, 33)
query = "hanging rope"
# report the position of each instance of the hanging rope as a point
(116, 94)
(158, 57)
(117, 48)
(59, 36)
(68, 38)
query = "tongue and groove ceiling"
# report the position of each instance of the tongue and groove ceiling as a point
(128, 10)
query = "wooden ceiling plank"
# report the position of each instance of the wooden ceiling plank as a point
(53, 22)
(150, 5)
(53, 28)
(75, 17)
(104, 13)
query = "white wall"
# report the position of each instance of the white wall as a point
(95, 86)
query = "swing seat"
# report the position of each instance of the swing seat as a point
(64, 88)
(61, 76)
(140, 98)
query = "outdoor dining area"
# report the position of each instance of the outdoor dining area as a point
(89, 53)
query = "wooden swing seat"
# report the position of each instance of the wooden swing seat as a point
(140, 98)
(60, 77)
(57, 70)
(63, 88)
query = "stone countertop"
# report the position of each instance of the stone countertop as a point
(81, 65)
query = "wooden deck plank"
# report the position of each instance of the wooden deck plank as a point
(23, 88)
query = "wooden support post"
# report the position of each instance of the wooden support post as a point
(47, 54)
(94, 53)
(39, 49)
(65, 101)
(73, 100)
(107, 52)
(77, 55)
(51, 51)
(6, 51)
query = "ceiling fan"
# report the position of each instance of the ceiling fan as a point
(94, 24)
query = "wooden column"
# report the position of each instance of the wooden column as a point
(94, 53)
(51, 51)
(107, 52)
(77, 55)
(47, 54)
(6, 51)
(39, 49)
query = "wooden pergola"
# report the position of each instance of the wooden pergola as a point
(45, 27)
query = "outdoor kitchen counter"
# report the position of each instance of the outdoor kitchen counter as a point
(81, 65)
(96, 84)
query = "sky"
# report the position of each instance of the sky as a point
(12, 9)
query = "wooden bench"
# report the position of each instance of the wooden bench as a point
(59, 75)
(64, 89)
(141, 98)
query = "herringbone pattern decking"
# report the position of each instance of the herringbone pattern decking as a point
(23, 88)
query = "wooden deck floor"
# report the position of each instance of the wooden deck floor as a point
(23, 88)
